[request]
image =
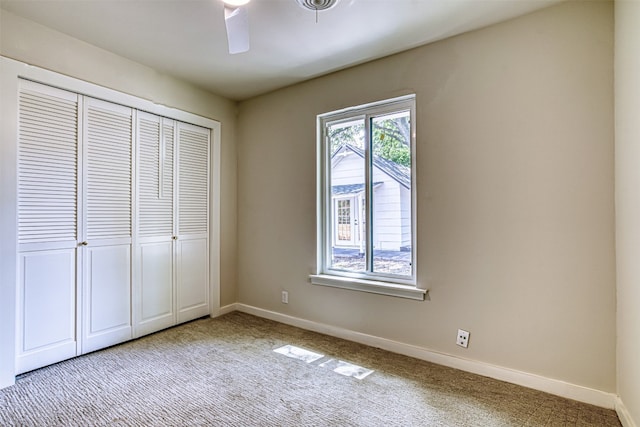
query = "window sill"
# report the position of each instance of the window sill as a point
(371, 286)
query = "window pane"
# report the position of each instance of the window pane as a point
(347, 205)
(391, 196)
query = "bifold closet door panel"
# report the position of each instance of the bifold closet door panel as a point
(193, 222)
(47, 225)
(106, 224)
(154, 288)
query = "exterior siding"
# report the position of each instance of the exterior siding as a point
(393, 225)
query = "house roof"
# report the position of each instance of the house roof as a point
(342, 190)
(400, 173)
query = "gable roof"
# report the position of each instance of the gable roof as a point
(400, 173)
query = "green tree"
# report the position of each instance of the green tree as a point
(341, 135)
(390, 138)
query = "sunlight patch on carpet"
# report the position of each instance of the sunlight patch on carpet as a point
(347, 369)
(299, 353)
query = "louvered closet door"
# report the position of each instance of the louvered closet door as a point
(47, 212)
(107, 225)
(154, 286)
(193, 222)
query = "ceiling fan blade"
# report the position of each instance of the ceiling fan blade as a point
(237, 22)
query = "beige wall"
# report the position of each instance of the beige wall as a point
(515, 196)
(35, 44)
(627, 92)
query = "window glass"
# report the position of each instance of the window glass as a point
(348, 226)
(391, 193)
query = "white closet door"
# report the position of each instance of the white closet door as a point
(154, 289)
(193, 222)
(47, 212)
(107, 225)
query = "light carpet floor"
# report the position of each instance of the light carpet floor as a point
(224, 372)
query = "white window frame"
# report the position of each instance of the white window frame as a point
(378, 283)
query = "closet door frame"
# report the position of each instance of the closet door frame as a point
(12, 71)
(8, 221)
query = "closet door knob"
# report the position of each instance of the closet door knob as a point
(84, 243)
(175, 237)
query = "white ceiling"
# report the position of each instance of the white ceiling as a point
(187, 38)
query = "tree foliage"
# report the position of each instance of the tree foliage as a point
(341, 135)
(390, 138)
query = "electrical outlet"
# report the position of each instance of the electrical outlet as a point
(285, 297)
(463, 338)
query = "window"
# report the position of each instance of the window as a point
(366, 199)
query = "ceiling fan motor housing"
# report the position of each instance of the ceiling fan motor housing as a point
(317, 4)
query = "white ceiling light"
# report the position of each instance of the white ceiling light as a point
(316, 5)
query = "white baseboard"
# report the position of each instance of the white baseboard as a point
(227, 309)
(537, 382)
(623, 414)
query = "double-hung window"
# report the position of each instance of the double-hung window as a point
(366, 199)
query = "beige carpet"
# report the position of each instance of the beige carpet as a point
(224, 372)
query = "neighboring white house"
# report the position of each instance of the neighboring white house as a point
(391, 203)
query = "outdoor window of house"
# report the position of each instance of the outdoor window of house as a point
(366, 195)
